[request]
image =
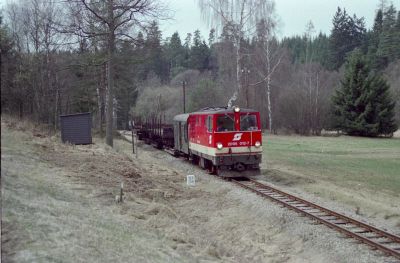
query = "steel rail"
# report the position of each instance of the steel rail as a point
(334, 220)
(344, 224)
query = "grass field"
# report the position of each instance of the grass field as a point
(373, 163)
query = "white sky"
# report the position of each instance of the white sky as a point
(293, 14)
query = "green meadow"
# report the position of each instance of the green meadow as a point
(371, 162)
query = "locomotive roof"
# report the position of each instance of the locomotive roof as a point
(213, 110)
(220, 110)
(181, 117)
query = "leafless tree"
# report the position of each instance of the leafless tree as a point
(309, 73)
(238, 18)
(111, 20)
(269, 56)
(33, 24)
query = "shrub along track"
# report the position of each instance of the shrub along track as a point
(367, 234)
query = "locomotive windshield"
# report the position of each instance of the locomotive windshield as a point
(225, 123)
(248, 122)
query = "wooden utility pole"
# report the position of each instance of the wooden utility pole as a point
(133, 141)
(184, 96)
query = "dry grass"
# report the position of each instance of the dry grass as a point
(58, 206)
(58, 202)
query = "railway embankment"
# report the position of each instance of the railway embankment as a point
(58, 204)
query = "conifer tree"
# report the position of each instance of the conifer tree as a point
(398, 21)
(373, 44)
(378, 22)
(337, 38)
(347, 33)
(388, 42)
(175, 53)
(363, 105)
(199, 53)
(398, 35)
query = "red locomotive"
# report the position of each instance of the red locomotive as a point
(219, 138)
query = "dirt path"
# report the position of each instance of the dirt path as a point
(59, 206)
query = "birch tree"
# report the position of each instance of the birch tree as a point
(238, 18)
(270, 55)
(112, 20)
(308, 77)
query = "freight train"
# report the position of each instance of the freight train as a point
(218, 138)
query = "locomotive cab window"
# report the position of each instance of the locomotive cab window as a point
(209, 124)
(248, 122)
(225, 123)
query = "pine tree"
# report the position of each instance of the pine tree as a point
(211, 37)
(175, 54)
(373, 41)
(357, 33)
(398, 35)
(336, 39)
(388, 42)
(155, 59)
(398, 21)
(363, 105)
(199, 53)
(186, 45)
(378, 22)
(347, 34)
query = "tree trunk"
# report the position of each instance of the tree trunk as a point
(21, 108)
(237, 69)
(236, 93)
(99, 117)
(110, 77)
(56, 103)
(269, 87)
(269, 104)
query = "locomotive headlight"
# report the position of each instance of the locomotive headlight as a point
(257, 144)
(219, 146)
(236, 109)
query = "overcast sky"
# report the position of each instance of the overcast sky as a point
(293, 14)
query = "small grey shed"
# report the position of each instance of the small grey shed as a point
(76, 128)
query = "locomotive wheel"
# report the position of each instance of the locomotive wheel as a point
(240, 167)
(213, 169)
(195, 159)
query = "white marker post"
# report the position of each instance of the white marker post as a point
(190, 180)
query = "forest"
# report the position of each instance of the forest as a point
(110, 58)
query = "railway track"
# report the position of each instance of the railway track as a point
(372, 236)
(376, 238)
